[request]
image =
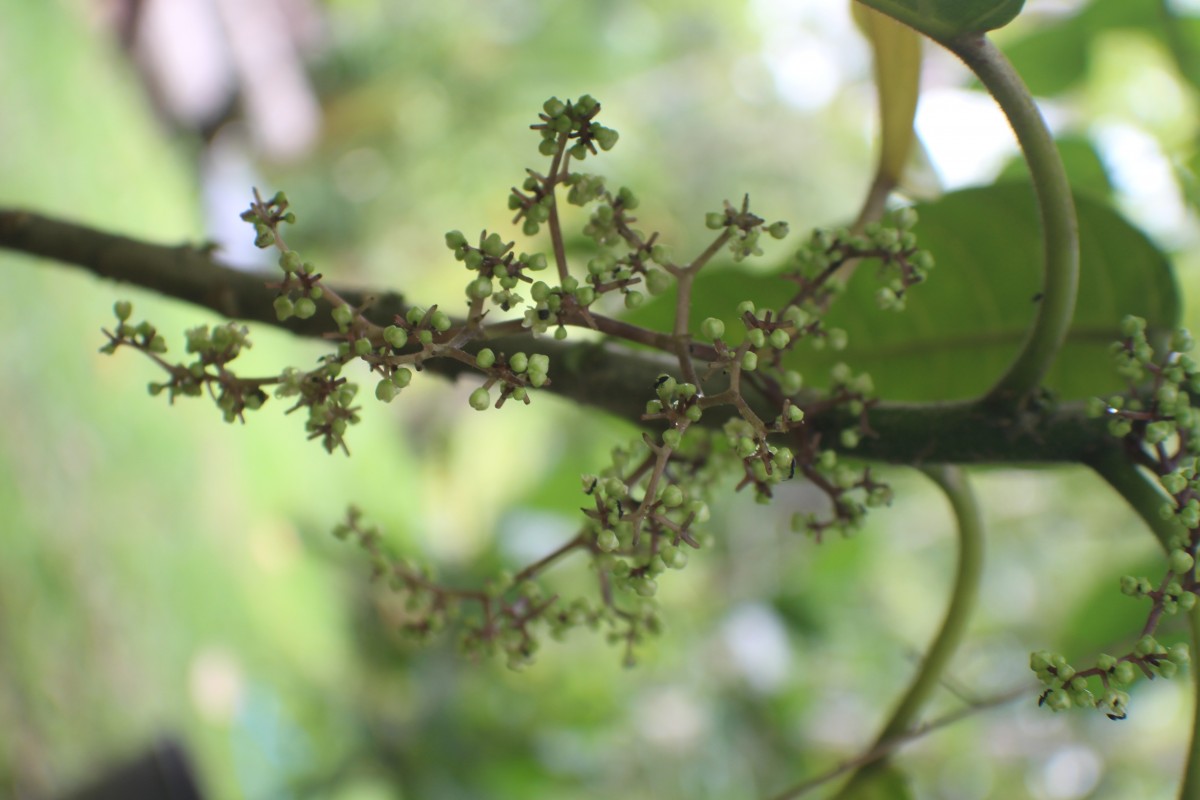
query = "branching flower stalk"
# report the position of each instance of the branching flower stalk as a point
(1160, 429)
(642, 512)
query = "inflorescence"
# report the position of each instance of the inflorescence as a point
(644, 511)
(1161, 430)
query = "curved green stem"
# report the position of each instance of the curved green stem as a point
(1146, 497)
(1057, 210)
(953, 481)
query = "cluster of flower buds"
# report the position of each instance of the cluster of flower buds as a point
(1156, 419)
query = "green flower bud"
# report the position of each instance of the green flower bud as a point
(714, 220)
(123, 309)
(402, 377)
(791, 382)
(633, 299)
(671, 438)
(605, 137)
(493, 245)
(480, 399)
(518, 363)
(395, 336)
(440, 321)
(749, 361)
(1132, 326)
(1179, 654)
(1105, 662)
(342, 315)
(778, 230)
(455, 240)
(386, 391)
(480, 288)
(539, 362)
(1146, 645)
(1181, 562)
(290, 261)
(657, 281)
(1059, 700)
(780, 339)
(672, 496)
(905, 218)
(1174, 482)
(712, 328)
(673, 557)
(362, 346)
(607, 541)
(284, 307)
(305, 307)
(1124, 673)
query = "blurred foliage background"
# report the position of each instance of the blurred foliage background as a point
(162, 573)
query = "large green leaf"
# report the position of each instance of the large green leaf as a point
(1086, 171)
(945, 19)
(964, 325)
(1054, 59)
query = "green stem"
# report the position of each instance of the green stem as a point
(1146, 497)
(953, 482)
(1056, 207)
(609, 376)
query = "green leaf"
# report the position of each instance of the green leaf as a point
(1085, 169)
(964, 325)
(896, 53)
(945, 19)
(1053, 59)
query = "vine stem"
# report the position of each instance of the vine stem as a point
(885, 749)
(1056, 208)
(1146, 497)
(969, 524)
